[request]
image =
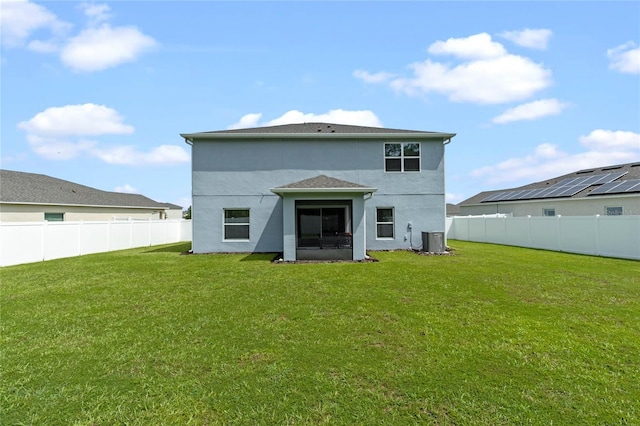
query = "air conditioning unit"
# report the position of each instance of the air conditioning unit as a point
(433, 242)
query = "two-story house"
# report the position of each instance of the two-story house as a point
(316, 190)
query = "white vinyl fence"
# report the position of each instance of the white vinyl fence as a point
(610, 236)
(26, 242)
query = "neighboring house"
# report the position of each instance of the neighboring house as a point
(316, 190)
(453, 210)
(30, 197)
(611, 190)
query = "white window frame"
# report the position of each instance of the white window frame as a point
(402, 157)
(225, 224)
(392, 223)
(619, 208)
(548, 210)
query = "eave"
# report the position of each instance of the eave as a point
(201, 137)
(357, 190)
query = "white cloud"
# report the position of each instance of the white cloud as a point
(379, 77)
(608, 139)
(49, 46)
(96, 49)
(534, 39)
(487, 81)
(126, 189)
(20, 19)
(477, 46)
(603, 148)
(60, 133)
(85, 119)
(337, 116)
(247, 120)
(96, 13)
(131, 156)
(625, 58)
(531, 111)
(485, 73)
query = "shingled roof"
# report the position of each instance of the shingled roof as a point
(630, 170)
(31, 188)
(317, 128)
(323, 183)
(307, 129)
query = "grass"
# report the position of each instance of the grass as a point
(492, 335)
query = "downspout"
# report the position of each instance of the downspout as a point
(444, 162)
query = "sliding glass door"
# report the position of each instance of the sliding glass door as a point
(322, 226)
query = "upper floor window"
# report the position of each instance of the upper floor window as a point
(236, 224)
(402, 157)
(548, 212)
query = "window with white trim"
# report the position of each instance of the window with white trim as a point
(236, 224)
(402, 157)
(384, 222)
(613, 211)
(548, 212)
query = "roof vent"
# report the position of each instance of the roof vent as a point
(612, 168)
(581, 172)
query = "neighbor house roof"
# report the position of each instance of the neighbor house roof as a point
(314, 130)
(31, 188)
(619, 172)
(322, 183)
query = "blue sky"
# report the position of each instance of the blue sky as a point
(97, 93)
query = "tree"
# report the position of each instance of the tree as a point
(186, 214)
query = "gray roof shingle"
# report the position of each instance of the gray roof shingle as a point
(31, 188)
(309, 130)
(317, 128)
(322, 182)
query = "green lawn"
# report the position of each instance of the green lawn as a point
(491, 335)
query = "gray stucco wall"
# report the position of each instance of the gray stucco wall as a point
(240, 174)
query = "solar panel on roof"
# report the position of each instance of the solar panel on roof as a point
(620, 187)
(572, 190)
(493, 197)
(609, 177)
(568, 187)
(512, 195)
(525, 194)
(591, 180)
(568, 181)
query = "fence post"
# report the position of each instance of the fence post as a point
(559, 231)
(597, 225)
(44, 240)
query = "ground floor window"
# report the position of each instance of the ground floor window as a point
(613, 211)
(548, 212)
(236, 224)
(384, 223)
(54, 217)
